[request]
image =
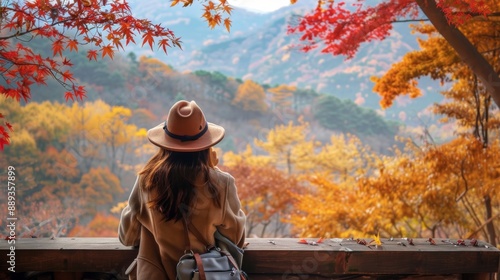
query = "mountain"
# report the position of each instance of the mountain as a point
(188, 24)
(259, 48)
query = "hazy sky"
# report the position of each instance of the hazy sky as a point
(260, 5)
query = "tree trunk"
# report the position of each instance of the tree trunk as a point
(490, 226)
(466, 51)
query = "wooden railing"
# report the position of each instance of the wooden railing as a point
(283, 258)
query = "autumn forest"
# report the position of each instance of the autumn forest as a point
(306, 163)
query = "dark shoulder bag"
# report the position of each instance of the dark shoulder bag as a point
(214, 264)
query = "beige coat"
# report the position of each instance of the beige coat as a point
(162, 242)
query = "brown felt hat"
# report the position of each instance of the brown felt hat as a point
(186, 129)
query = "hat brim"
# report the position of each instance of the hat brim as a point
(214, 135)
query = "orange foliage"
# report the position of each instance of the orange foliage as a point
(100, 188)
(151, 66)
(266, 196)
(213, 12)
(101, 226)
(250, 96)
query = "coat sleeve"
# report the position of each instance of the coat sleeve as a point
(129, 230)
(233, 223)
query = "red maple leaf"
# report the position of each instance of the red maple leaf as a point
(92, 55)
(107, 50)
(9, 126)
(68, 95)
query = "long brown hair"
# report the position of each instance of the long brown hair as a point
(172, 176)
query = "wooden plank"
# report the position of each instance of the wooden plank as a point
(350, 257)
(284, 256)
(354, 277)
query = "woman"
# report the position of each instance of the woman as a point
(181, 179)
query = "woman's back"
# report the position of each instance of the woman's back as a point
(180, 181)
(169, 235)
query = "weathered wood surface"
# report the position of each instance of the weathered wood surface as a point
(282, 258)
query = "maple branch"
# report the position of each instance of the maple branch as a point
(473, 213)
(408, 20)
(478, 121)
(496, 14)
(28, 31)
(466, 184)
(487, 103)
(52, 71)
(482, 226)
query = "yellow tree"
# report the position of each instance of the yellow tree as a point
(330, 209)
(470, 174)
(288, 146)
(251, 97)
(436, 190)
(328, 201)
(151, 66)
(101, 133)
(84, 140)
(46, 123)
(155, 73)
(282, 97)
(117, 136)
(334, 204)
(345, 156)
(470, 106)
(421, 191)
(411, 199)
(245, 157)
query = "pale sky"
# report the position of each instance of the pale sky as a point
(260, 5)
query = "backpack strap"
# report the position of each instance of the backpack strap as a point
(200, 237)
(199, 265)
(186, 234)
(230, 258)
(188, 226)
